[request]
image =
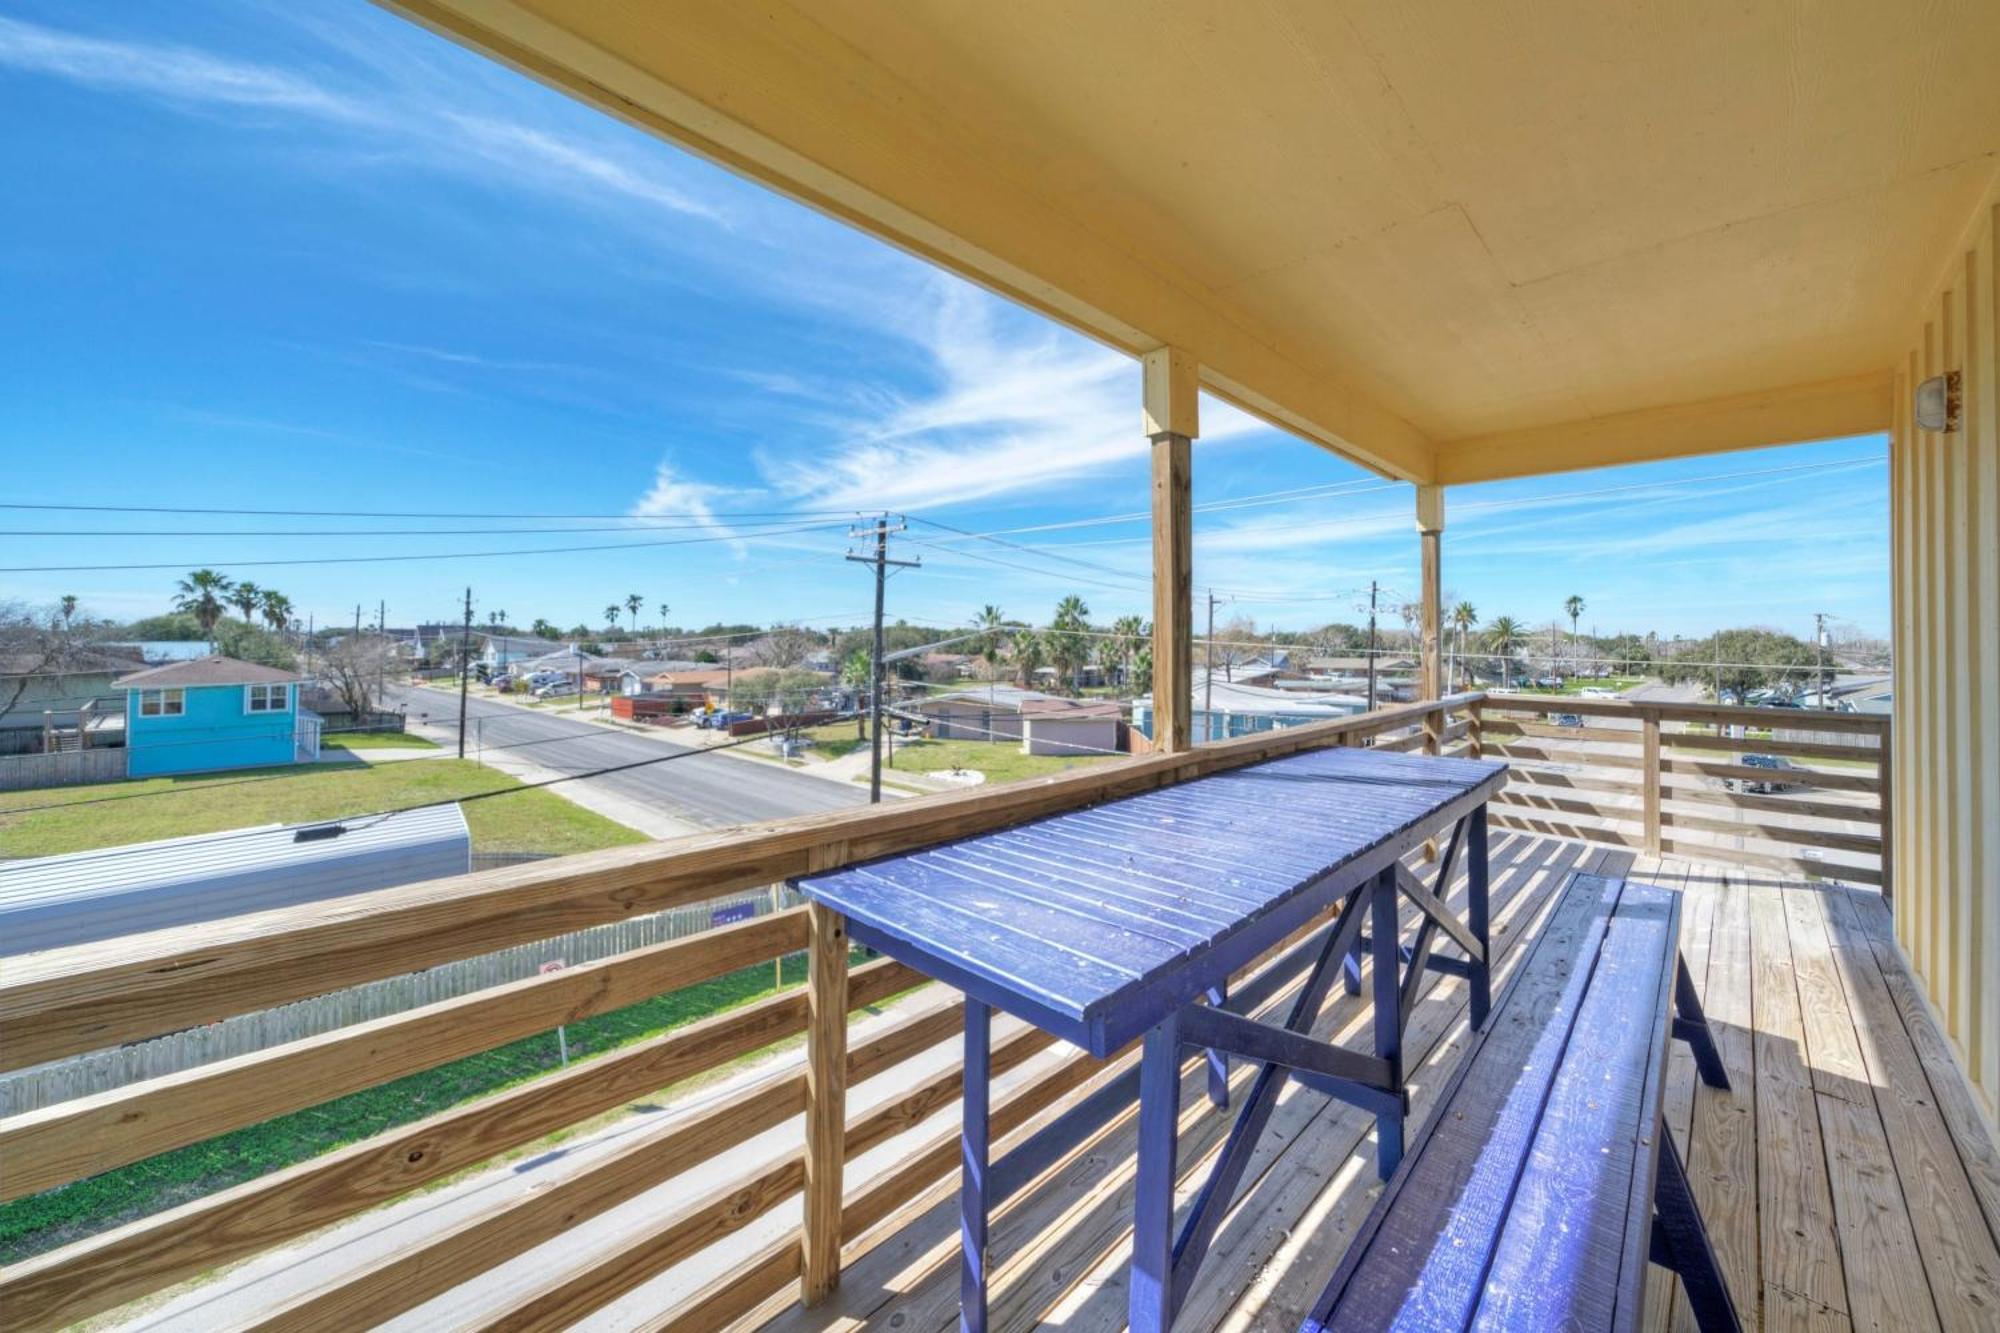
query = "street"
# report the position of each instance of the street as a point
(708, 791)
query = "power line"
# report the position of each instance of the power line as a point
(411, 513)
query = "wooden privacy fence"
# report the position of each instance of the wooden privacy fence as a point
(1671, 777)
(73, 1076)
(82, 999)
(62, 768)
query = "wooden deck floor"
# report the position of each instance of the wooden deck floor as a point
(1847, 1178)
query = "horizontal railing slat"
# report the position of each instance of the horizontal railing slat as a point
(80, 1138)
(104, 1271)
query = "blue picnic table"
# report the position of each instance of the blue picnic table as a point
(1126, 920)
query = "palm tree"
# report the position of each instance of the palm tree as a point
(1128, 631)
(664, 608)
(246, 597)
(992, 628)
(1068, 643)
(1501, 636)
(200, 594)
(611, 615)
(68, 608)
(276, 608)
(633, 601)
(1574, 609)
(1463, 617)
(1028, 653)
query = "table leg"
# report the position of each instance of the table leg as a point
(1478, 913)
(1218, 1063)
(972, 1196)
(1151, 1306)
(1385, 926)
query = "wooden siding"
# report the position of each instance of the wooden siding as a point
(1945, 569)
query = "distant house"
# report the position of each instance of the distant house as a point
(1070, 726)
(987, 713)
(61, 702)
(215, 713)
(500, 651)
(697, 687)
(1225, 708)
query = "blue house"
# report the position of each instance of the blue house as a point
(212, 713)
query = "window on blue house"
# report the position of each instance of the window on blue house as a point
(162, 703)
(266, 698)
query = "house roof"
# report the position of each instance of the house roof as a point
(1071, 710)
(987, 696)
(704, 677)
(77, 661)
(211, 670)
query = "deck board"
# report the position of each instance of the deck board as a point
(1846, 1121)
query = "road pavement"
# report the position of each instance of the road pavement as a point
(705, 791)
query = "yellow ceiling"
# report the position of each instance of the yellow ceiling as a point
(1454, 240)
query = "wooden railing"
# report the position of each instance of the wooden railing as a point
(1669, 778)
(1634, 775)
(85, 998)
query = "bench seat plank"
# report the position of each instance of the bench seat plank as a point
(1567, 1242)
(1420, 1258)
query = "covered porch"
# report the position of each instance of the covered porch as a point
(1455, 245)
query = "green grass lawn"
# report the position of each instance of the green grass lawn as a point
(1000, 761)
(374, 740)
(144, 809)
(44, 1221)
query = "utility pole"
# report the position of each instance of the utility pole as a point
(880, 559)
(1373, 590)
(1208, 677)
(464, 669)
(382, 616)
(357, 620)
(1819, 656)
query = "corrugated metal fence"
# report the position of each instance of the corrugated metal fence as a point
(100, 1071)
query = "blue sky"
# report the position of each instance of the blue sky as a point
(311, 257)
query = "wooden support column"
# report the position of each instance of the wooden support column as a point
(1430, 531)
(826, 1101)
(1171, 424)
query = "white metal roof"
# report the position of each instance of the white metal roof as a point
(50, 901)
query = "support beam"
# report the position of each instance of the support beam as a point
(1171, 423)
(826, 1102)
(1430, 532)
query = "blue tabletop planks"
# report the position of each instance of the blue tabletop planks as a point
(1098, 923)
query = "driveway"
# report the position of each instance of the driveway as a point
(663, 799)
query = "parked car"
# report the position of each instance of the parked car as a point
(555, 689)
(1549, 682)
(1566, 719)
(1765, 786)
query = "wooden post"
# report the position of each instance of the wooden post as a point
(1430, 531)
(1171, 424)
(826, 1101)
(1475, 723)
(1649, 779)
(1885, 769)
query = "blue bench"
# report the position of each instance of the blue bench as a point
(1546, 1179)
(1128, 919)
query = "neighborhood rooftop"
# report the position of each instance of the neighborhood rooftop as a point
(210, 670)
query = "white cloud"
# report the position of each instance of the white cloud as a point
(673, 496)
(1020, 406)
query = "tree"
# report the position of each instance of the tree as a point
(664, 608)
(276, 609)
(1502, 638)
(355, 668)
(1142, 669)
(1028, 653)
(68, 608)
(611, 616)
(784, 647)
(248, 643)
(1573, 608)
(1233, 645)
(1067, 641)
(201, 595)
(1336, 639)
(992, 639)
(1463, 617)
(543, 629)
(633, 601)
(1127, 633)
(244, 597)
(1733, 662)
